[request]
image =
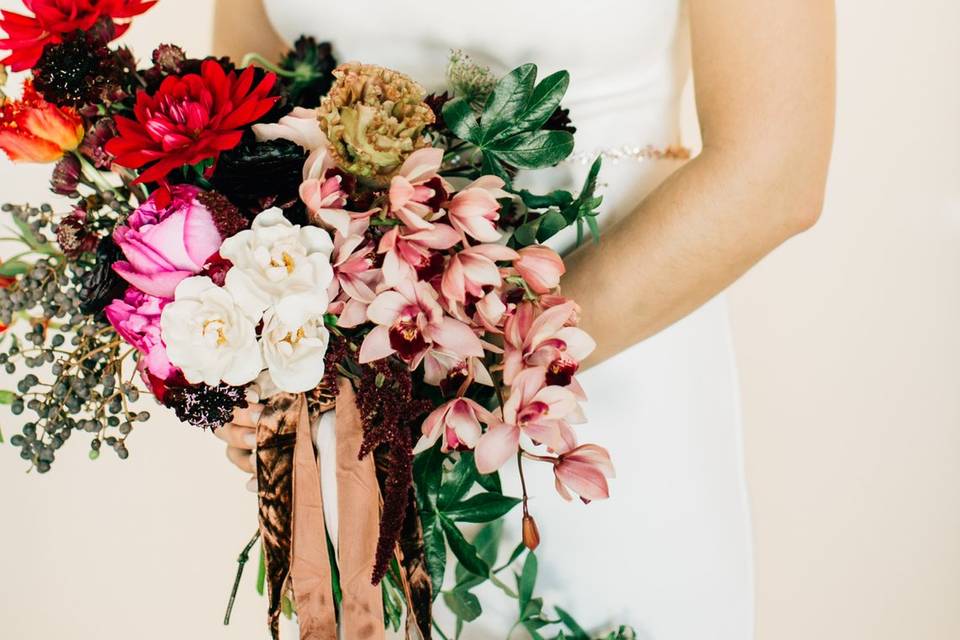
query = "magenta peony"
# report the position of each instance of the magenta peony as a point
(136, 317)
(167, 239)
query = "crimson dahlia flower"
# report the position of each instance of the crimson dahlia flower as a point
(190, 119)
(27, 35)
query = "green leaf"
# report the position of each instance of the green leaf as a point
(12, 268)
(261, 573)
(460, 118)
(517, 552)
(465, 552)
(435, 549)
(483, 507)
(458, 482)
(7, 397)
(571, 624)
(533, 150)
(526, 234)
(508, 100)
(487, 542)
(490, 482)
(33, 240)
(491, 165)
(531, 628)
(463, 604)
(527, 581)
(558, 198)
(551, 223)
(428, 470)
(543, 103)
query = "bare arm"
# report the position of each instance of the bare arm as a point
(764, 79)
(241, 27)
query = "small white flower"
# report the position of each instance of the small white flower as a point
(275, 258)
(208, 336)
(294, 341)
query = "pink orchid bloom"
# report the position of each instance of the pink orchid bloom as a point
(417, 191)
(540, 267)
(546, 340)
(471, 270)
(474, 210)
(450, 370)
(411, 323)
(458, 422)
(535, 409)
(356, 280)
(415, 255)
(300, 127)
(584, 471)
(326, 198)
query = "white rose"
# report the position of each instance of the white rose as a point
(275, 258)
(208, 336)
(294, 341)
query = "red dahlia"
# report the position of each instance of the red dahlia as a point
(53, 19)
(190, 119)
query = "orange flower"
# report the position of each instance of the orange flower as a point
(33, 130)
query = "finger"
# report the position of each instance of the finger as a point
(248, 416)
(238, 436)
(242, 458)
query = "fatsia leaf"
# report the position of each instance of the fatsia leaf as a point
(463, 604)
(508, 100)
(543, 103)
(490, 481)
(533, 150)
(428, 470)
(483, 507)
(465, 552)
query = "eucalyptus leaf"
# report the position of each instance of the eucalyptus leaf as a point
(483, 507)
(551, 223)
(464, 604)
(13, 268)
(526, 234)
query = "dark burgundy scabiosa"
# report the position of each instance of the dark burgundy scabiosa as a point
(169, 59)
(226, 216)
(66, 176)
(257, 175)
(74, 235)
(312, 64)
(436, 101)
(101, 284)
(95, 141)
(190, 119)
(81, 70)
(203, 406)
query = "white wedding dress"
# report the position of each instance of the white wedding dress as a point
(670, 552)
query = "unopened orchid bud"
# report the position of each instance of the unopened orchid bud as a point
(531, 534)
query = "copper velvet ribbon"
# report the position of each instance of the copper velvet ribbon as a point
(292, 523)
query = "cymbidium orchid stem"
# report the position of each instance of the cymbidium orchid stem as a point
(538, 458)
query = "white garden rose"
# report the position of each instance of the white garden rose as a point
(294, 341)
(275, 258)
(209, 336)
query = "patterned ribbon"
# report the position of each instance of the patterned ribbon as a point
(292, 523)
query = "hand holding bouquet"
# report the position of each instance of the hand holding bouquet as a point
(365, 255)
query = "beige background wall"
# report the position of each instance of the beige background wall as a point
(850, 361)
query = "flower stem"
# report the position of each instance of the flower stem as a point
(241, 561)
(251, 58)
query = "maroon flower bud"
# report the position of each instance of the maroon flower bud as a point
(74, 237)
(169, 58)
(66, 176)
(95, 140)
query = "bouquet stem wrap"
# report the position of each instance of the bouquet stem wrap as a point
(292, 521)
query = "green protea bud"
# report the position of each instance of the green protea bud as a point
(374, 118)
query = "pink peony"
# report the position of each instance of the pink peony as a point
(540, 267)
(136, 317)
(166, 242)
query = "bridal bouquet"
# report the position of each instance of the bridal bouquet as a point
(335, 241)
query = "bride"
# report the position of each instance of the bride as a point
(670, 553)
